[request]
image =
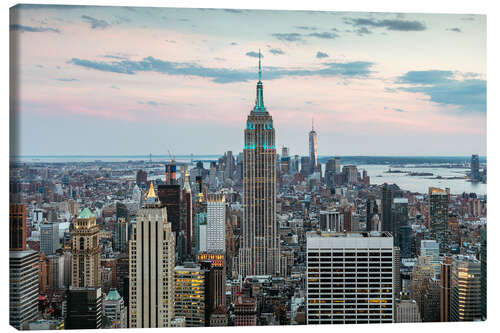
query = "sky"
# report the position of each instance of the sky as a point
(134, 81)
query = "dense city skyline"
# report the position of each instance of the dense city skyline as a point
(143, 77)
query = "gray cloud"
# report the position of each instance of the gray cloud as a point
(324, 35)
(63, 79)
(443, 88)
(320, 55)
(151, 103)
(399, 110)
(303, 27)
(25, 28)
(355, 69)
(363, 31)
(111, 56)
(95, 23)
(297, 37)
(288, 37)
(253, 54)
(277, 51)
(454, 29)
(394, 24)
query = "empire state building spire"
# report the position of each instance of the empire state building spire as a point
(259, 100)
(259, 252)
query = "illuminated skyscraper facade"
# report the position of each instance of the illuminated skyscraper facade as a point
(259, 252)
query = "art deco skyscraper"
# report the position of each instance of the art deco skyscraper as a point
(260, 248)
(86, 253)
(313, 149)
(151, 268)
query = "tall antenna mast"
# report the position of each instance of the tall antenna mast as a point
(260, 68)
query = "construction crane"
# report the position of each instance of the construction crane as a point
(172, 158)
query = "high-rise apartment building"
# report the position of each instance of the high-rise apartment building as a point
(49, 238)
(406, 311)
(465, 289)
(151, 266)
(216, 223)
(387, 197)
(55, 271)
(430, 248)
(445, 289)
(84, 308)
(420, 278)
(399, 220)
(113, 307)
(17, 227)
(23, 287)
(190, 293)
(349, 278)
(188, 213)
(85, 251)
(313, 150)
(260, 244)
(170, 197)
(120, 234)
(482, 257)
(438, 217)
(215, 263)
(474, 168)
(141, 178)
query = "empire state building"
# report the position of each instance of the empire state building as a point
(259, 252)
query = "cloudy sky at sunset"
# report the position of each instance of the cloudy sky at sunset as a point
(129, 80)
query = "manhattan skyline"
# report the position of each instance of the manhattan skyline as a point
(114, 80)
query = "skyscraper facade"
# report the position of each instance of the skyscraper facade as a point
(260, 248)
(49, 238)
(190, 293)
(349, 278)
(151, 267)
(445, 289)
(84, 308)
(23, 287)
(465, 289)
(86, 252)
(17, 227)
(216, 223)
(482, 256)
(313, 150)
(387, 197)
(474, 168)
(438, 217)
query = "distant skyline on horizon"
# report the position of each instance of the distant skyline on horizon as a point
(137, 79)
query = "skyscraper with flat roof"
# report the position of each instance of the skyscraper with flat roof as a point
(465, 289)
(438, 216)
(387, 197)
(474, 168)
(23, 287)
(430, 248)
(190, 294)
(349, 277)
(260, 247)
(216, 223)
(17, 227)
(49, 238)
